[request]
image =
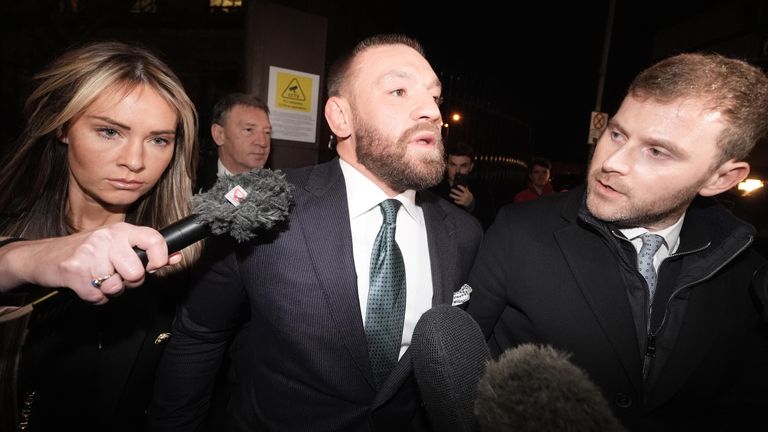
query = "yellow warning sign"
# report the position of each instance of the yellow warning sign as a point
(291, 92)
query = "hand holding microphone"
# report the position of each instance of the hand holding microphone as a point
(101, 263)
(76, 260)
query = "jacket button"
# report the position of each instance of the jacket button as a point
(162, 338)
(623, 400)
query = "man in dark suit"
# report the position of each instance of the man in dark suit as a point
(643, 277)
(306, 288)
(242, 132)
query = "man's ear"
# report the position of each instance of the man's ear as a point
(337, 115)
(217, 132)
(728, 175)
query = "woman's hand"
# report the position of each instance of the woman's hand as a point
(95, 264)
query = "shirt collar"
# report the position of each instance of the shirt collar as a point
(363, 194)
(222, 170)
(671, 233)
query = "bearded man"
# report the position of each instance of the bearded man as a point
(318, 356)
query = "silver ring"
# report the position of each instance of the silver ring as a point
(96, 283)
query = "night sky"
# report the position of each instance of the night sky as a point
(552, 52)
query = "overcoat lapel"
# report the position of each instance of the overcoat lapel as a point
(590, 263)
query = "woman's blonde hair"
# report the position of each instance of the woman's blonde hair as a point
(34, 176)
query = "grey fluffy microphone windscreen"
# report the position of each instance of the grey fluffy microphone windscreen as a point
(449, 356)
(267, 203)
(535, 388)
(241, 205)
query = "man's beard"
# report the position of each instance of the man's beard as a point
(399, 165)
(648, 213)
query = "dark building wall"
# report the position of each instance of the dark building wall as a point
(204, 48)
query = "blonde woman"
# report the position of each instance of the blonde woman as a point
(105, 159)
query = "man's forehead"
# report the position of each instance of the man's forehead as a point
(382, 61)
(385, 50)
(243, 108)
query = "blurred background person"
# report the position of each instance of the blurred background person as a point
(458, 185)
(242, 133)
(110, 139)
(460, 161)
(539, 172)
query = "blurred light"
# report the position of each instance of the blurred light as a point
(749, 185)
(445, 125)
(456, 117)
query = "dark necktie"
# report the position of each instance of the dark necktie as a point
(651, 244)
(386, 296)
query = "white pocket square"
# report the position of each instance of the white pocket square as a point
(462, 295)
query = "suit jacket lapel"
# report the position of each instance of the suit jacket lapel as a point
(324, 218)
(443, 251)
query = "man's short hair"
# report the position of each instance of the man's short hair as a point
(225, 105)
(340, 71)
(461, 150)
(539, 161)
(733, 87)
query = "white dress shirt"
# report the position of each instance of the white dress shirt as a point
(671, 236)
(222, 170)
(363, 197)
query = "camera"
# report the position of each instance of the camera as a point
(460, 180)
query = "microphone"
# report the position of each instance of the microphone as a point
(536, 388)
(449, 355)
(241, 205)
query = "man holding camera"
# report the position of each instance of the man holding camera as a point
(456, 187)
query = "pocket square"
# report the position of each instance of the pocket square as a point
(462, 295)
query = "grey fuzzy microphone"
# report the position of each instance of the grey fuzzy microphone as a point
(241, 205)
(536, 388)
(449, 355)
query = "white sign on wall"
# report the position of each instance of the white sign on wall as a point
(293, 99)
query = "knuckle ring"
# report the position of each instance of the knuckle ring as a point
(96, 283)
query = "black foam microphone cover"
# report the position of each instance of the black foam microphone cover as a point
(449, 355)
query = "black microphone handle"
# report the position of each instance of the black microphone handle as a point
(179, 235)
